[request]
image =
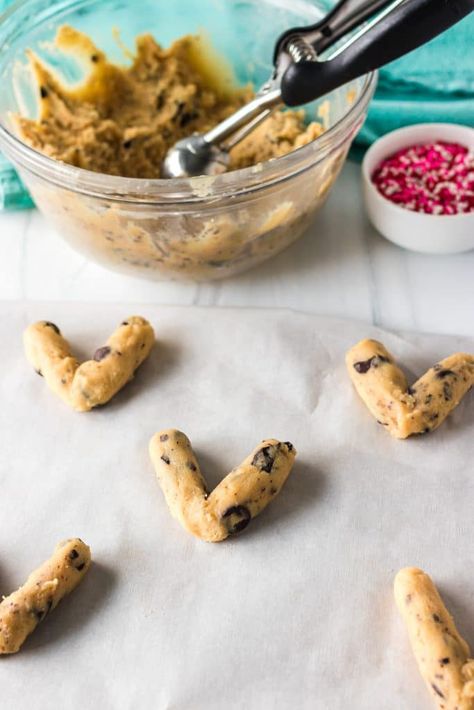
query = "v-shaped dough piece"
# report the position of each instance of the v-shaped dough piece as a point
(96, 381)
(238, 498)
(22, 611)
(440, 651)
(402, 409)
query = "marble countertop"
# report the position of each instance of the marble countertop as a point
(341, 267)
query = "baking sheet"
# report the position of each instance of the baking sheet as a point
(295, 613)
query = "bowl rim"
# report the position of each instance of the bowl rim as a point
(188, 190)
(387, 140)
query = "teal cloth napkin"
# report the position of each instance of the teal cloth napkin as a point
(434, 83)
(13, 194)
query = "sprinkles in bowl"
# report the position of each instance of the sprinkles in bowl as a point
(435, 178)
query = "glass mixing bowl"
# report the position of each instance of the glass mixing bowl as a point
(200, 228)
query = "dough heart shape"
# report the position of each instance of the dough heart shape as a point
(406, 410)
(96, 381)
(238, 498)
(22, 611)
(440, 651)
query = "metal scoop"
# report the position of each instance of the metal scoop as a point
(387, 29)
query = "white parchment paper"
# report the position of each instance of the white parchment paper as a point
(295, 613)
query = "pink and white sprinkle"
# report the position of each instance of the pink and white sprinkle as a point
(435, 178)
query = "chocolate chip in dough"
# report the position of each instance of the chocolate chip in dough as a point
(437, 690)
(165, 458)
(441, 374)
(164, 437)
(444, 661)
(102, 353)
(237, 518)
(187, 118)
(48, 324)
(42, 613)
(264, 459)
(73, 555)
(81, 567)
(436, 618)
(38, 372)
(191, 466)
(43, 92)
(289, 445)
(364, 366)
(180, 106)
(94, 58)
(447, 392)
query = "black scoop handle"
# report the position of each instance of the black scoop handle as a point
(403, 29)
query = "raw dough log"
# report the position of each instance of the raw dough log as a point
(22, 611)
(238, 498)
(441, 653)
(408, 410)
(96, 381)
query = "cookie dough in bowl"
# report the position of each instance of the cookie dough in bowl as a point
(89, 113)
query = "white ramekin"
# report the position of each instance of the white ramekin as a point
(430, 234)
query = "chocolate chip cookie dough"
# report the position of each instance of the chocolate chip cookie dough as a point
(96, 381)
(402, 409)
(238, 498)
(123, 120)
(22, 611)
(441, 653)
